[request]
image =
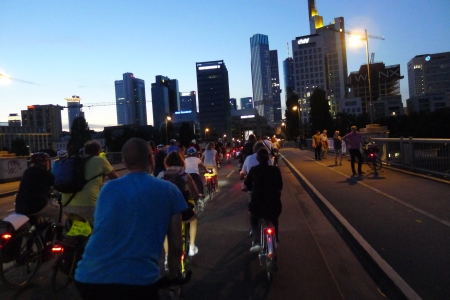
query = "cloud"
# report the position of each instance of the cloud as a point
(23, 81)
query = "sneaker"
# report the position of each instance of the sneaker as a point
(166, 264)
(193, 250)
(256, 247)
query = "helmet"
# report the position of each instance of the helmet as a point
(160, 147)
(39, 158)
(173, 141)
(62, 154)
(191, 151)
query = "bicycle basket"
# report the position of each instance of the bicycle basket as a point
(73, 250)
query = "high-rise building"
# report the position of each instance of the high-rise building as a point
(261, 76)
(320, 61)
(165, 99)
(288, 75)
(188, 102)
(74, 109)
(14, 120)
(213, 99)
(429, 73)
(43, 119)
(233, 104)
(247, 103)
(131, 103)
(276, 91)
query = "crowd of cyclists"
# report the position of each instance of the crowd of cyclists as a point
(137, 209)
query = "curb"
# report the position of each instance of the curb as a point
(390, 282)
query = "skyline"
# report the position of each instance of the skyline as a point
(53, 51)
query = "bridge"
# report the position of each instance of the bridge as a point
(341, 237)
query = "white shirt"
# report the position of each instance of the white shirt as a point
(250, 161)
(268, 144)
(192, 163)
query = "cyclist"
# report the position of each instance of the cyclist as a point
(33, 197)
(265, 183)
(159, 160)
(247, 150)
(192, 163)
(173, 146)
(175, 173)
(209, 159)
(83, 203)
(251, 161)
(133, 215)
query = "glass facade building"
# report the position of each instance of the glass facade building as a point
(131, 104)
(213, 99)
(188, 102)
(246, 103)
(276, 91)
(288, 75)
(165, 99)
(261, 76)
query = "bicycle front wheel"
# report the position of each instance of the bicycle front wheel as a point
(21, 264)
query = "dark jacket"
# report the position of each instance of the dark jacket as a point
(34, 190)
(265, 184)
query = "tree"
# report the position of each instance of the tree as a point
(79, 135)
(186, 134)
(292, 121)
(320, 111)
(19, 147)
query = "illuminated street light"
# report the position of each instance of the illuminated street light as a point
(4, 79)
(297, 108)
(206, 130)
(168, 118)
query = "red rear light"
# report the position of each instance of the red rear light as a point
(371, 154)
(270, 231)
(57, 249)
(6, 236)
(270, 255)
(182, 257)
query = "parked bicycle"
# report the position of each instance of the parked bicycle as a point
(370, 156)
(25, 244)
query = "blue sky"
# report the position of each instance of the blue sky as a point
(56, 49)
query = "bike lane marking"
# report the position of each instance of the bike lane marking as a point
(442, 221)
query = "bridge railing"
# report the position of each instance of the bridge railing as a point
(422, 155)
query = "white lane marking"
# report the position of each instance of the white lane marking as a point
(446, 223)
(10, 209)
(230, 173)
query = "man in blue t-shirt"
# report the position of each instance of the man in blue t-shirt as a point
(132, 217)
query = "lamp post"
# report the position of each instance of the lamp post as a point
(206, 130)
(167, 135)
(366, 38)
(297, 108)
(224, 137)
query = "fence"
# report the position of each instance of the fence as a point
(429, 156)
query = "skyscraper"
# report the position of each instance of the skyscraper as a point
(73, 109)
(43, 119)
(233, 104)
(276, 91)
(188, 101)
(288, 75)
(261, 76)
(247, 103)
(213, 99)
(320, 61)
(165, 99)
(131, 103)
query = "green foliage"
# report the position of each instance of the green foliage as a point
(291, 117)
(186, 134)
(19, 147)
(320, 111)
(79, 135)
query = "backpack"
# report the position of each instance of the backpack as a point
(178, 180)
(69, 175)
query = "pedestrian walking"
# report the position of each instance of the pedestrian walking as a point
(325, 144)
(353, 141)
(317, 145)
(337, 145)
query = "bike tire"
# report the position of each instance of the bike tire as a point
(374, 163)
(22, 265)
(59, 280)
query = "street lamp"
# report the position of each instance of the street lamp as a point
(168, 118)
(366, 38)
(224, 137)
(4, 78)
(206, 130)
(297, 108)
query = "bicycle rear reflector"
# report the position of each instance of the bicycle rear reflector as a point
(6, 236)
(57, 249)
(270, 231)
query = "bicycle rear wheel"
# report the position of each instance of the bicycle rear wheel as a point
(21, 264)
(374, 162)
(59, 279)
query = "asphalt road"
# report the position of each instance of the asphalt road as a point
(404, 217)
(314, 261)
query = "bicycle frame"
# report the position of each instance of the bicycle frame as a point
(268, 246)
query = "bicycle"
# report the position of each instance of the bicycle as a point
(25, 248)
(168, 288)
(370, 156)
(210, 183)
(268, 246)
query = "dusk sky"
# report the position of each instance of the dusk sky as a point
(52, 50)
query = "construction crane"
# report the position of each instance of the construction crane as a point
(372, 57)
(98, 104)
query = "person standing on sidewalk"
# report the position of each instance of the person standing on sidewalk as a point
(317, 145)
(354, 141)
(337, 144)
(325, 144)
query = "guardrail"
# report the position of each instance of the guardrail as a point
(428, 156)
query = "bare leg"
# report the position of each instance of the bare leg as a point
(192, 231)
